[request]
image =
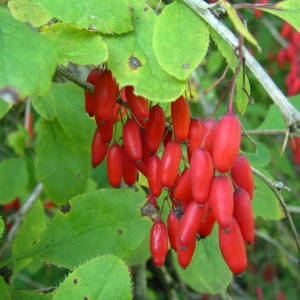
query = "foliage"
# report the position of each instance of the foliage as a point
(83, 238)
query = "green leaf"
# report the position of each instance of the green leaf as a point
(207, 273)
(2, 226)
(133, 61)
(238, 24)
(31, 295)
(4, 108)
(265, 204)
(273, 120)
(180, 40)
(104, 277)
(29, 233)
(241, 98)
(13, 179)
(24, 70)
(68, 104)
(17, 140)
(109, 17)
(76, 45)
(62, 165)
(106, 221)
(261, 157)
(26, 11)
(4, 290)
(287, 10)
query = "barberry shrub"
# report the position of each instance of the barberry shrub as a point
(140, 157)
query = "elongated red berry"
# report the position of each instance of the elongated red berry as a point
(154, 175)
(180, 114)
(89, 98)
(233, 248)
(227, 141)
(221, 200)
(99, 149)
(242, 174)
(189, 223)
(195, 137)
(129, 169)
(207, 223)
(172, 225)
(114, 165)
(106, 130)
(138, 105)
(155, 128)
(159, 243)
(105, 95)
(184, 256)
(201, 174)
(183, 190)
(132, 140)
(208, 136)
(170, 162)
(243, 213)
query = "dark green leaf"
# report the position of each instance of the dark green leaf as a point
(4, 290)
(107, 221)
(105, 277)
(29, 233)
(24, 70)
(63, 164)
(13, 179)
(4, 108)
(207, 273)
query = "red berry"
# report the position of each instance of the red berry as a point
(184, 256)
(242, 174)
(106, 130)
(233, 248)
(207, 223)
(129, 169)
(227, 140)
(154, 176)
(201, 175)
(172, 224)
(189, 224)
(105, 95)
(89, 98)
(195, 137)
(208, 136)
(183, 190)
(14, 204)
(170, 162)
(221, 200)
(155, 128)
(180, 114)
(159, 243)
(99, 148)
(243, 214)
(132, 140)
(114, 165)
(138, 106)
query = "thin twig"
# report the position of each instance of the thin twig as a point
(264, 132)
(221, 78)
(269, 25)
(275, 243)
(293, 209)
(276, 187)
(81, 83)
(290, 113)
(19, 217)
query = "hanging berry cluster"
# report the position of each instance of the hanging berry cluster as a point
(207, 180)
(290, 55)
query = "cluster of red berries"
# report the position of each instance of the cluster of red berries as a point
(290, 55)
(207, 180)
